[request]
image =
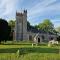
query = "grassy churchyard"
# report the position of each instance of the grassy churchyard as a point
(25, 51)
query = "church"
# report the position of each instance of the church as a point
(21, 32)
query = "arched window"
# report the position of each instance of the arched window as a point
(42, 37)
(30, 37)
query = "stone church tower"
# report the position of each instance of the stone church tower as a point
(21, 25)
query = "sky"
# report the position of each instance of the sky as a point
(38, 10)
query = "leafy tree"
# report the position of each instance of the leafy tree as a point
(12, 24)
(46, 25)
(28, 25)
(4, 32)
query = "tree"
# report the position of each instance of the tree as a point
(46, 25)
(28, 25)
(12, 24)
(4, 32)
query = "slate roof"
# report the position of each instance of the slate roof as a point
(34, 30)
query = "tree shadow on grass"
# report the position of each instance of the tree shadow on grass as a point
(26, 50)
(9, 50)
(38, 50)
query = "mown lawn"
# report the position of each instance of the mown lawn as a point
(25, 51)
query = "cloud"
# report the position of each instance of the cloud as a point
(7, 8)
(56, 22)
(45, 9)
(40, 7)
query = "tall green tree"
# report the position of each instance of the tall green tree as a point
(46, 25)
(12, 24)
(4, 30)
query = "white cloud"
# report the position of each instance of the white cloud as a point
(44, 9)
(40, 7)
(56, 22)
(8, 8)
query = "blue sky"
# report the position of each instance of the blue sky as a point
(38, 10)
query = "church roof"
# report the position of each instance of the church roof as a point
(34, 30)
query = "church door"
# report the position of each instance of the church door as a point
(38, 40)
(30, 38)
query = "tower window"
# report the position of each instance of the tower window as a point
(30, 37)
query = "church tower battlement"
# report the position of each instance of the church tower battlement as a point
(21, 13)
(21, 25)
